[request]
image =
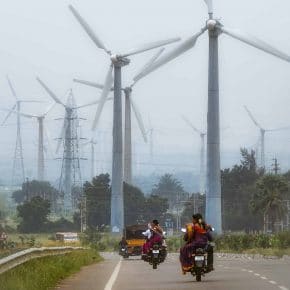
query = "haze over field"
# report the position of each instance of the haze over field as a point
(43, 39)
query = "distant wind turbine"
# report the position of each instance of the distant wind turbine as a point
(262, 135)
(202, 135)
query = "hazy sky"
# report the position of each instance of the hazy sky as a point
(43, 38)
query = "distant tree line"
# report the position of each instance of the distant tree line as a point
(251, 201)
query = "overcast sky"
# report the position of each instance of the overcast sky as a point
(42, 38)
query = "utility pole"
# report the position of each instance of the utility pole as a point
(275, 166)
(27, 197)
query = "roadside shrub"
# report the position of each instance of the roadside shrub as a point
(174, 243)
(241, 242)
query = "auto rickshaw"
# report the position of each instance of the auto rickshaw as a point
(135, 239)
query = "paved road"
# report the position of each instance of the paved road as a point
(231, 273)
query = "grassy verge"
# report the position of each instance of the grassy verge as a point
(44, 273)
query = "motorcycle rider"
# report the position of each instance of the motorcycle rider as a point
(154, 234)
(197, 235)
(122, 244)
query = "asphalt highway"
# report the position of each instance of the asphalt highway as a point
(231, 273)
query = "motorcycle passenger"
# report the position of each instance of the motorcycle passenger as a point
(197, 236)
(154, 234)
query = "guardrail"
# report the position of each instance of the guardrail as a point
(19, 258)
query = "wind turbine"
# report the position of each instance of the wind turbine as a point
(215, 28)
(40, 120)
(71, 161)
(262, 135)
(128, 125)
(202, 135)
(117, 62)
(18, 172)
(92, 143)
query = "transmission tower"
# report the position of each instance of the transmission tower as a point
(18, 176)
(18, 164)
(275, 166)
(70, 183)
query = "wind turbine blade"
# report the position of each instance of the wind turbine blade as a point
(191, 125)
(252, 118)
(150, 46)
(278, 129)
(88, 29)
(104, 95)
(20, 113)
(30, 101)
(53, 95)
(12, 88)
(139, 119)
(88, 83)
(49, 109)
(209, 6)
(91, 104)
(139, 76)
(8, 115)
(180, 49)
(255, 42)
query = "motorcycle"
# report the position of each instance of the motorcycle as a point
(200, 260)
(124, 252)
(156, 255)
(199, 263)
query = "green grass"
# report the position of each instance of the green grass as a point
(44, 273)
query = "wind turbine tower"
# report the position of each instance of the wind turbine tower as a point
(215, 28)
(202, 155)
(117, 62)
(92, 144)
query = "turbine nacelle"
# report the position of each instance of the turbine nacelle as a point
(119, 59)
(211, 24)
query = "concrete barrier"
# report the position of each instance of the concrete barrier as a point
(19, 258)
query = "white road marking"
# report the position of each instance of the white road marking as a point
(263, 277)
(256, 274)
(113, 277)
(250, 271)
(283, 288)
(273, 282)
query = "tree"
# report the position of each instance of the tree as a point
(170, 188)
(195, 204)
(155, 208)
(34, 215)
(98, 201)
(238, 185)
(35, 188)
(134, 203)
(268, 199)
